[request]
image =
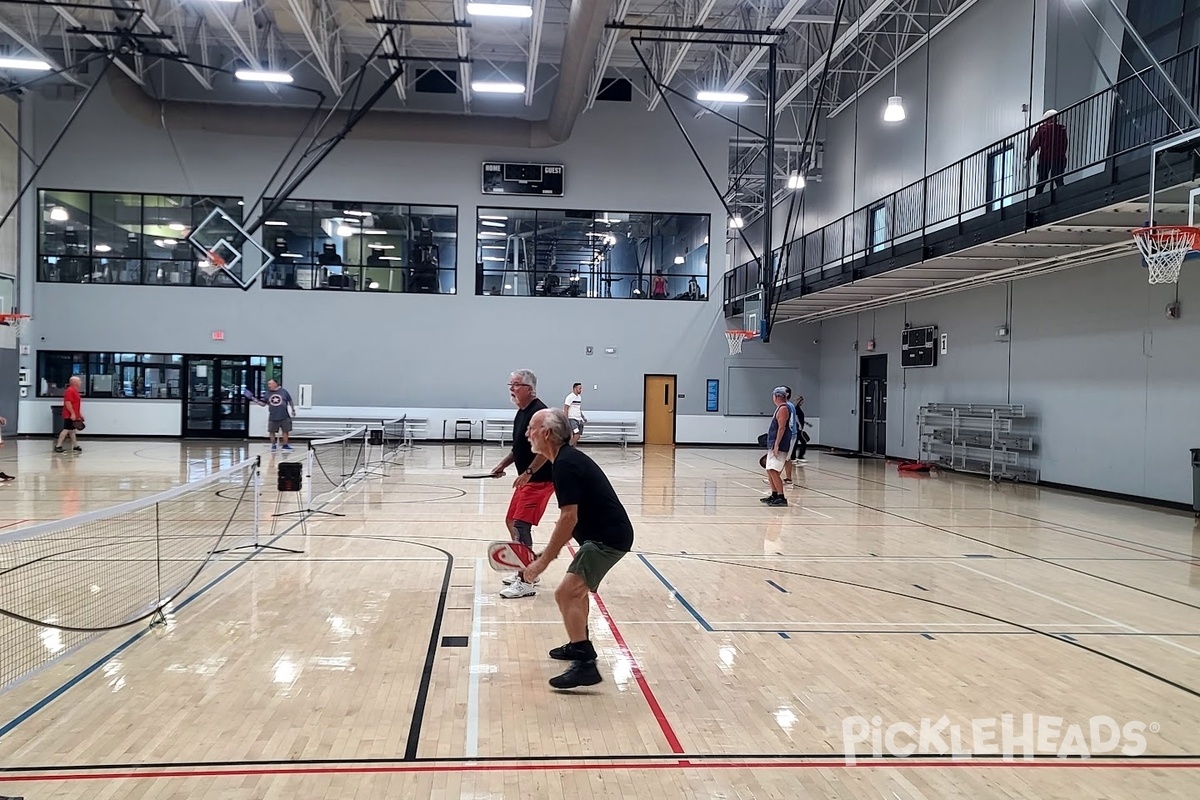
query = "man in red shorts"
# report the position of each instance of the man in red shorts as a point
(534, 484)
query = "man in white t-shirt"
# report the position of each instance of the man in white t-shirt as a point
(573, 408)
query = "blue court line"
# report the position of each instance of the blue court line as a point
(777, 586)
(100, 662)
(783, 635)
(927, 636)
(695, 614)
(978, 555)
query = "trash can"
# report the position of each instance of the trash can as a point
(56, 424)
(1196, 480)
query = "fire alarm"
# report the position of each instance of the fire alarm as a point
(870, 345)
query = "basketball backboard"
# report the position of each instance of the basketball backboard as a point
(8, 294)
(752, 318)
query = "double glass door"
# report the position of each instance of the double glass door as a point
(215, 402)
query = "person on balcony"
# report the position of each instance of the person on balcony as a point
(1050, 143)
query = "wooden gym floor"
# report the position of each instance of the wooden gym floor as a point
(735, 643)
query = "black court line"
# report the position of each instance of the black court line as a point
(1030, 556)
(948, 632)
(599, 758)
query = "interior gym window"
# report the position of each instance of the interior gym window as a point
(878, 216)
(358, 246)
(125, 238)
(1002, 178)
(593, 253)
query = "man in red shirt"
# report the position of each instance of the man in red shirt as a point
(1050, 143)
(72, 415)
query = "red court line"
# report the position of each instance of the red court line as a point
(670, 765)
(651, 700)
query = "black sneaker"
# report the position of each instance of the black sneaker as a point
(574, 651)
(59, 449)
(78, 449)
(777, 501)
(768, 498)
(4, 477)
(581, 673)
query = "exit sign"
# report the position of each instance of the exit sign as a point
(218, 336)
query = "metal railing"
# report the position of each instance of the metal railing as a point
(1114, 125)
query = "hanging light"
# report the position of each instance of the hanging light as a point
(894, 112)
(736, 221)
(795, 181)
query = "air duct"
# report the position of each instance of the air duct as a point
(585, 27)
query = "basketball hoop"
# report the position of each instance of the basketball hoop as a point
(735, 339)
(16, 322)
(1164, 247)
(213, 263)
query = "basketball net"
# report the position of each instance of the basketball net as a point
(1164, 249)
(215, 262)
(735, 339)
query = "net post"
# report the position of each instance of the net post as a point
(257, 496)
(308, 477)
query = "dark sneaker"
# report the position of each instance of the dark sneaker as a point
(4, 477)
(59, 450)
(768, 498)
(574, 651)
(777, 501)
(581, 673)
(78, 449)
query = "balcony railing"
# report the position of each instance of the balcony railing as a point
(1117, 124)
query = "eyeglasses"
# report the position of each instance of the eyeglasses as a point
(515, 385)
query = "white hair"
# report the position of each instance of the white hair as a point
(556, 423)
(527, 376)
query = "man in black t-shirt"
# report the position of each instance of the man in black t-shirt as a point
(591, 512)
(533, 486)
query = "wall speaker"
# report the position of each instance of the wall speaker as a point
(291, 476)
(376, 437)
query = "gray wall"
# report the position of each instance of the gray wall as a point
(404, 350)
(1112, 382)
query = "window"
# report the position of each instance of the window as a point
(143, 375)
(130, 375)
(112, 237)
(1002, 178)
(878, 214)
(575, 253)
(372, 247)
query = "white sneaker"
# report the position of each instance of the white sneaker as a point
(512, 578)
(518, 589)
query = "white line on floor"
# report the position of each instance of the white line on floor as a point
(476, 656)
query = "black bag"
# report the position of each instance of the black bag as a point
(762, 440)
(805, 437)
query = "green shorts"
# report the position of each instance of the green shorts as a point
(593, 561)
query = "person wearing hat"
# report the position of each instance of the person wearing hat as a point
(779, 446)
(1050, 143)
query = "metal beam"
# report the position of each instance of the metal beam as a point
(607, 46)
(327, 62)
(121, 65)
(782, 19)
(535, 46)
(841, 43)
(462, 41)
(36, 51)
(862, 89)
(168, 43)
(681, 53)
(392, 45)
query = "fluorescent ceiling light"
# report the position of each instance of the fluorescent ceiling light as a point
(358, 213)
(492, 233)
(373, 232)
(491, 224)
(177, 226)
(290, 255)
(344, 230)
(103, 248)
(382, 246)
(59, 214)
(499, 10)
(262, 76)
(24, 63)
(391, 258)
(894, 112)
(722, 97)
(680, 259)
(489, 216)
(497, 87)
(493, 258)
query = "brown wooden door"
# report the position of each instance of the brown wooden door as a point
(658, 409)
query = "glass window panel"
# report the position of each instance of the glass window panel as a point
(56, 369)
(168, 273)
(65, 220)
(116, 225)
(166, 222)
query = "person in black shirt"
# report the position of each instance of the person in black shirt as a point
(591, 512)
(533, 486)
